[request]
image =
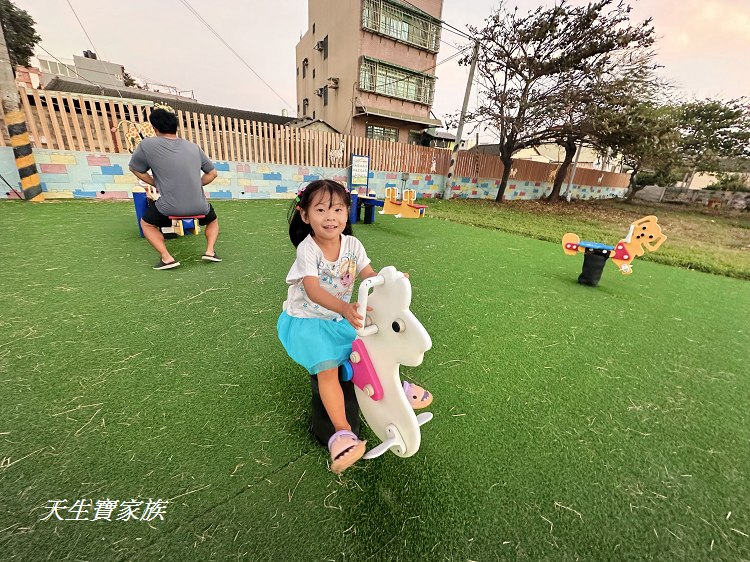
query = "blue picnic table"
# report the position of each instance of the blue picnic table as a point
(368, 203)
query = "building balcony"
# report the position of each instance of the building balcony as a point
(402, 22)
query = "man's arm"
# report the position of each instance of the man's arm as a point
(208, 177)
(145, 177)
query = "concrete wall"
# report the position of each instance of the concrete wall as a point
(340, 22)
(736, 200)
(76, 175)
(99, 71)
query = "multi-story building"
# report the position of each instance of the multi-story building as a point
(28, 77)
(87, 68)
(367, 67)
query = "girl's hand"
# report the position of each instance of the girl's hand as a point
(352, 316)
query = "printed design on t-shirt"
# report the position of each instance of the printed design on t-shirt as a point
(327, 274)
(347, 271)
(336, 278)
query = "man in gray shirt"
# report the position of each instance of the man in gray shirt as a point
(175, 164)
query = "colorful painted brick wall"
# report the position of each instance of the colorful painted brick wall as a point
(484, 188)
(73, 175)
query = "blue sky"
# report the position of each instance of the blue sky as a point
(704, 45)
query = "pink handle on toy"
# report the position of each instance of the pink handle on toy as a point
(365, 377)
(364, 291)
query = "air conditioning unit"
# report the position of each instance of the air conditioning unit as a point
(318, 92)
(333, 83)
(319, 46)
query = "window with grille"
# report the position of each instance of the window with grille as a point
(382, 78)
(397, 21)
(381, 133)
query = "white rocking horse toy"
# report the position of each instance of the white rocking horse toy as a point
(392, 335)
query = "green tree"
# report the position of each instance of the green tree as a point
(731, 182)
(713, 131)
(534, 68)
(600, 109)
(128, 80)
(644, 135)
(20, 35)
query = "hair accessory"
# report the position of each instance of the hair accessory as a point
(301, 191)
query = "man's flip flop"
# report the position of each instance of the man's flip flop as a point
(345, 450)
(210, 257)
(170, 265)
(417, 396)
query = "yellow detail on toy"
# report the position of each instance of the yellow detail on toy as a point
(391, 206)
(645, 234)
(410, 210)
(405, 209)
(135, 132)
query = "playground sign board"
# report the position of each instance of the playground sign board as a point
(360, 172)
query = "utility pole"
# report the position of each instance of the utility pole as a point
(573, 172)
(447, 188)
(15, 121)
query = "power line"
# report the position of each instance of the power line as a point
(103, 63)
(451, 45)
(19, 195)
(446, 24)
(220, 38)
(451, 57)
(457, 31)
(93, 47)
(81, 24)
(101, 88)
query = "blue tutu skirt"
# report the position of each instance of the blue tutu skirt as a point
(316, 344)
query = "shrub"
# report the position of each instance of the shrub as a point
(730, 182)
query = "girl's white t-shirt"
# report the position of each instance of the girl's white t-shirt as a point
(335, 277)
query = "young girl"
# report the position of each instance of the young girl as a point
(317, 325)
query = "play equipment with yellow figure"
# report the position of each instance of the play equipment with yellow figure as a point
(180, 225)
(136, 132)
(405, 209)
(392, 336)
(644, 235)
(391, 205)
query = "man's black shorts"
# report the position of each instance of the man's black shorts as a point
(154, 217)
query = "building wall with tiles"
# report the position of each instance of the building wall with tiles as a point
(83, 175)
(431, 185)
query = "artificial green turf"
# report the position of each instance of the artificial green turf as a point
(571, 423)
(699, 239)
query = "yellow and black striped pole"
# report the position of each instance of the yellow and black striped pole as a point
(16, 124)
(19, 140)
